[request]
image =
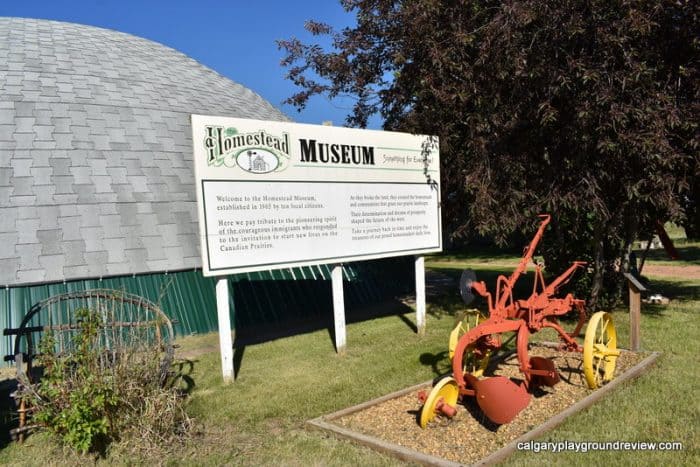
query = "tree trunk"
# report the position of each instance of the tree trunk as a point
(632, 224)
(644, 255)
(598, 269)
(624, 267)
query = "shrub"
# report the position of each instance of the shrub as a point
(92, 393)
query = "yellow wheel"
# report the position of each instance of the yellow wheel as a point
(474, 364)
(441, 400)
(600, 350)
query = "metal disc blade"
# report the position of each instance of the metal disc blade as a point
(500, 399)
(465, 286)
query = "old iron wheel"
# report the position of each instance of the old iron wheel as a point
(599, 350)
(471, 362)
(445, 391)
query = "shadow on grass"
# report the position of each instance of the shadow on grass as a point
(247, 335)
(682, 291)
(9, 419)
(687, 254)
(237, 359)
(439, 363)
(180, 376)
(482, 253)
(252, 334)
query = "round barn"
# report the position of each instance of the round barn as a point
(97, 184)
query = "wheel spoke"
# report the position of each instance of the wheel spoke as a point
(605, 332)
(597, 367)
(599, 350)
(471, 361)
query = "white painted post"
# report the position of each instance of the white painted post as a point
(420, 295)
(225, 339)
(338, 308)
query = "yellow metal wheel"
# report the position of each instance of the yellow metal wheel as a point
(445, 391)
(599, 350)
(471, 362)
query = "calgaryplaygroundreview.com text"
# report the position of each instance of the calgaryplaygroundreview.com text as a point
(587, 446)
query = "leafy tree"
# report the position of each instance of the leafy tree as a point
(691, 204)
(587, 110)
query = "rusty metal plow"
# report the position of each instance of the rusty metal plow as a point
(498, 397)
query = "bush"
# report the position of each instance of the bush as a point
(93, 393)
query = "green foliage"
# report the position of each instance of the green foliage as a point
(573, 237)
(90, 395)
(584, 110)
(692, 206)
(79, 401)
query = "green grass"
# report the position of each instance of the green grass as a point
(675, 232)
(689, 253)
(689, 250)
(260, 419)
(661, 405)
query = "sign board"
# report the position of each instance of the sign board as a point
(278, 194)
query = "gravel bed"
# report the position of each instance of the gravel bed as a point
(470, 436)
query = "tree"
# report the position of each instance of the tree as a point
(691, 205)
(586, 110)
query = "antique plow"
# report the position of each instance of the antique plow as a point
(473, 343)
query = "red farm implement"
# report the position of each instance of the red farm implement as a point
(472, 344)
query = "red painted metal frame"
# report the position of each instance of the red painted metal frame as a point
(523, 317)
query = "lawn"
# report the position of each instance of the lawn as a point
(260, 419)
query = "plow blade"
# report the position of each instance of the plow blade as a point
(544, 365)
(499, 398)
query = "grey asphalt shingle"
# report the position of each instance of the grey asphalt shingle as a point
(96, 175)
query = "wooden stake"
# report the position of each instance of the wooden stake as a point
(420, 295)
(338, 309)
(225, 339)
(635, 290)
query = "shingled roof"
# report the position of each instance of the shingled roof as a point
(96, 174)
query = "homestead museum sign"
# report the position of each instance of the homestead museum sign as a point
(223, 146)
(278, 194)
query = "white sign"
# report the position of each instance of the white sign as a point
(278, 194)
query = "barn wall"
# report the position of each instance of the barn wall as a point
(260, 300)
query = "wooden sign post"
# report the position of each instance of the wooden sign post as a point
(276, 195)
(636, 289)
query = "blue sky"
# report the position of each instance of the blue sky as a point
(234, 37)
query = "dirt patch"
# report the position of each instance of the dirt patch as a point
(194, 353)
(687, 271)
(470, 436)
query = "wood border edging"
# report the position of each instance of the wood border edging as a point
(324, 422)
(559, 418)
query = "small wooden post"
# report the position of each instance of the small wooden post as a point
(420, 295)
(338, 308)
(636, 289)
(225, 339)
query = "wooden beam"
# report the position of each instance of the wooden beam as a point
(634, 282)
(420, 295)
(338, 309)
(225, 339)
(635, 291)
